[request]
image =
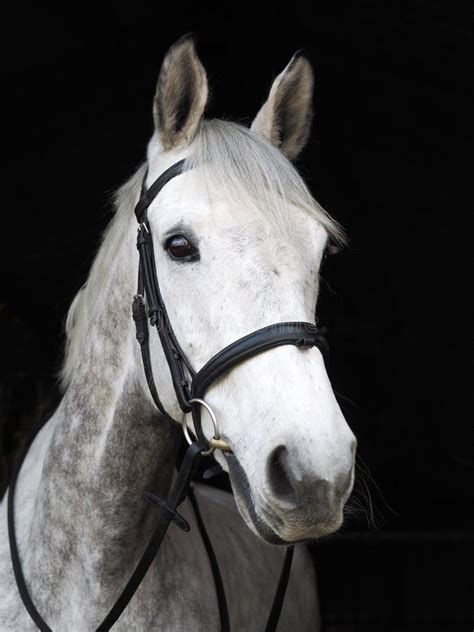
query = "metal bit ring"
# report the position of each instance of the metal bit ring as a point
(216, 443)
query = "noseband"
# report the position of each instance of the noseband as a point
(191, 386)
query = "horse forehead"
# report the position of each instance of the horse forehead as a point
(290, 234)
(190, 197)
(184, 191)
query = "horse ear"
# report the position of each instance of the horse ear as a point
(181, 94)
(285, 118)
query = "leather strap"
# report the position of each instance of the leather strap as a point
(300, 334)
(216, 574)
(176, 359)
(142, 334)
(279, 596)
(148, 287)
(168, 513)
(175, 497)
(278, 599)
(148, 195)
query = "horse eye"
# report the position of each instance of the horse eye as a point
(331, 249)
(178, 247)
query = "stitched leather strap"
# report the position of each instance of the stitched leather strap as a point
(148, 195)
(176, 359)
(300, 334)
(142, 335)
(148, 286)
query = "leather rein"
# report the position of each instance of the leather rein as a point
(190, 387)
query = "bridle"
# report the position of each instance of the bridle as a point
(190, 387)
(188, 384)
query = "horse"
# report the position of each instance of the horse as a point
(238, 244)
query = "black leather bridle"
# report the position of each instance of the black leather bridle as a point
(189, 384)
(190, 387)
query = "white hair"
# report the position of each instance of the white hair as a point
(231, 158)
(245, 165)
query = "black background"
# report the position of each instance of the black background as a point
(389, 158)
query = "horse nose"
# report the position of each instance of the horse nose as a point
(280, 477)
(292, 486)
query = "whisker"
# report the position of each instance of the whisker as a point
(345, 398)
(330, 289)
(360, 463)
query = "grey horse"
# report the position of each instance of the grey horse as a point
(257, 238)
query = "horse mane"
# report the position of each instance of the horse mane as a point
(251, 171)
(230, 158)
(86, 301)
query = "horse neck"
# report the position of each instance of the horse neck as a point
(107, 448)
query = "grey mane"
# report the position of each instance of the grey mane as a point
(234, 159)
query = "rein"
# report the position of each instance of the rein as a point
(190, 388)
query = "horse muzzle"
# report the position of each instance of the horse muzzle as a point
(291, 505)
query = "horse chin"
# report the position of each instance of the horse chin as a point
(266, 524)
(257, 524)
(270, 528)
(245, 504)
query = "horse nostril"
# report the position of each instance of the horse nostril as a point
(279, 474)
